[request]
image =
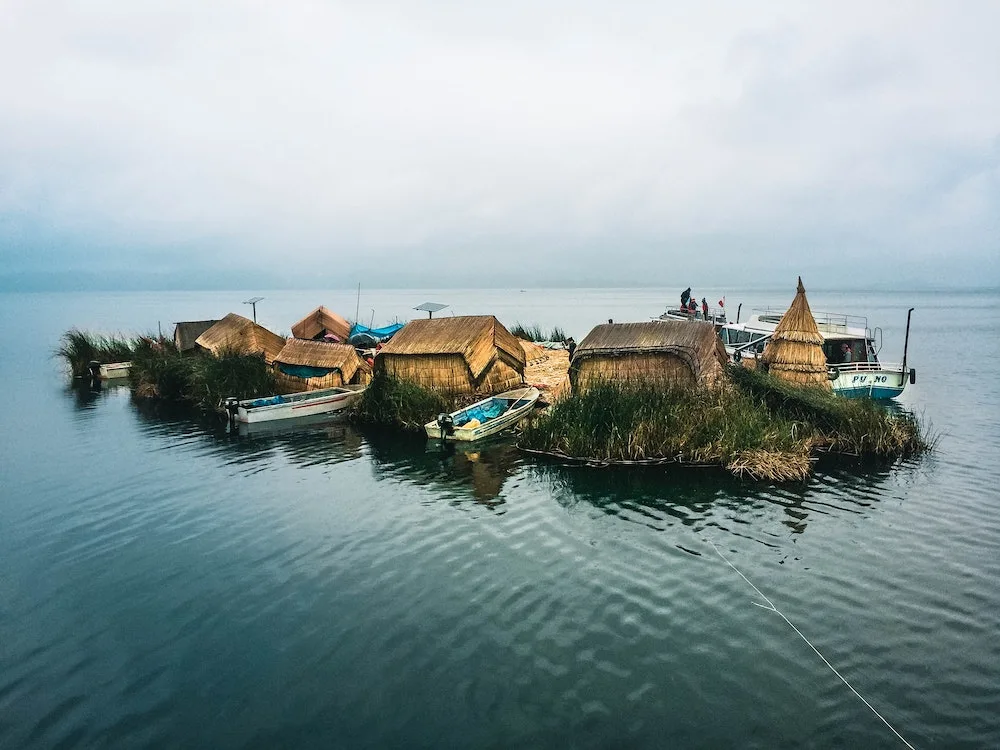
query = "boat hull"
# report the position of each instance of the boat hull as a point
(878, 384)
(115, 370)
(327, 401)
(529, 396)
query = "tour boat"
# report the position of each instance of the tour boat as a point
(859, 375)
(306, 404)
(716, 315)
(484, 418)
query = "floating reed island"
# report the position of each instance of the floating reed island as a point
(630, 394)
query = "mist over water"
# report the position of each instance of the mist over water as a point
(165, 582)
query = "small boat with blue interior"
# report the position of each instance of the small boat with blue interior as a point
(850, 346)
(292, 405)
(484, 418)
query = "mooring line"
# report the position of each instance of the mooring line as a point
(770, 606)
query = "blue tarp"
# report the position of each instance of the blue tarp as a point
(271, 401)
(373, 336)
(305, 371)
(483, 412)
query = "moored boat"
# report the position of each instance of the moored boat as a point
(484, 418)
(110, 371)
(306, 404)
(850, 346)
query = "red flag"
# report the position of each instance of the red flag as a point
(722, 302)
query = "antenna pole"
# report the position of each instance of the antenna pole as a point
(906, 341)
(357, 308)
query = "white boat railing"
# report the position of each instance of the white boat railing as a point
(829, 322)
(895, 367)
(716, 315)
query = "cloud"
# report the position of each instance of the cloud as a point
(606, 142)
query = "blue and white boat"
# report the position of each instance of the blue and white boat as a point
(484, 418)
(851, 349)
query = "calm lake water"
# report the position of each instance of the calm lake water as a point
(164, 583)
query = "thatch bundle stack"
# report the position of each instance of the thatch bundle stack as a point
(187, 333)
(459, 355)
(311, 365)
(795, 350)
(234, 333)
(321, 322)
(671, 353)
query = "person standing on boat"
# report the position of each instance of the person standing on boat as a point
(704, 308)
(685, 296)
(692, 307)
(848, 355)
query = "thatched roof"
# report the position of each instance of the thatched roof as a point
(323, 354)
(319, 321)
(795, 350)
(476, 338)
(186, 333)
(234, 332)
(695, 343)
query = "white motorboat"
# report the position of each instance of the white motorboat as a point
(851, 349)
(110, 371)
(306, 404)
(484, 418)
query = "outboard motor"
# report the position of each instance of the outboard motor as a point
(446, 424)
(231, 405)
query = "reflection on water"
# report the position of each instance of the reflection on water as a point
(661, 496)
(87, 392)
(477, 469)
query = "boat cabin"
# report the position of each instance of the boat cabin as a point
(860, 349)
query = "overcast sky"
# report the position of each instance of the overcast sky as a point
(225, 144)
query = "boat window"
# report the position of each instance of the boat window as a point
(724, 335)
(836, 355)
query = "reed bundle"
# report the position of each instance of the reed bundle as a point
(795, 350)
(80, 348)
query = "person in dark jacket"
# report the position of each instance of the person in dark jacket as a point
(704, 307)
(685, 296)
(571, 345)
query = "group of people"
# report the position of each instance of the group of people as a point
(690, 306)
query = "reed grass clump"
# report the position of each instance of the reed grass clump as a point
(855, 426)
(755, 425)
(534, 332)
(622, 422)
(80, 348)
(400, 404)
(159, 371)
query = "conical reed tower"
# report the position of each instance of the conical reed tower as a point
(795, 350)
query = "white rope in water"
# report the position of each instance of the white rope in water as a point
(770, 606)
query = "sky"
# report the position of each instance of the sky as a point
(208, 144)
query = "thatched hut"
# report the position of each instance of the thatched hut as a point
(236, 333)
(310, 365)
(322, 322)
(795, 350)
(457, 355)
(187, 333)
(671, 352)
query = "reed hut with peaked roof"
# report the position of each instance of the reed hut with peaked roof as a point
(311, 365)
(187, 333)
(236, 333)
(795, 350)
(457, 355)
(673, 352)
(321, 322)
